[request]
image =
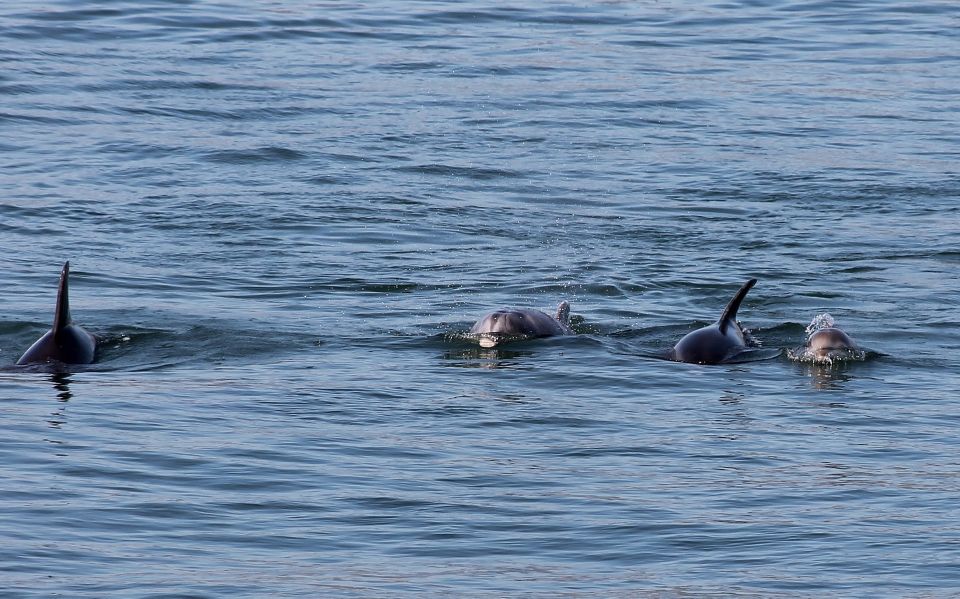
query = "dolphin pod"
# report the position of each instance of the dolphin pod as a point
(65, 342)
(68, 343)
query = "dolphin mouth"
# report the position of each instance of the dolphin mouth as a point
(488, 341)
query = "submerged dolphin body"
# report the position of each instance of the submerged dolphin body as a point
(65, 342)
(503, 325)
(718, 342)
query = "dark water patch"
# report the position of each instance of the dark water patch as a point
(194, 21)
(38, 119)
(502, 71)
(473, 17)
(167, 84)
(14, 89)
(268, 28)
(411, 67)
(354, 285)
(66, 33)
(519, 422)
(189, 114)
(324, 180)
(199, 114)
(475, 173)
(266, 154)
(139, 151)
(77, 14)
(603, 451)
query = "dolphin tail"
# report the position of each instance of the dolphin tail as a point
(563, 313)
(730, 312)
(61, 317)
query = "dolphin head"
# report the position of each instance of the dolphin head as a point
(828, 339)
(505, 325)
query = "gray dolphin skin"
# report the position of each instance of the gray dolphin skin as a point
(823, 341)
(508, 324)
(65, 342)
(715, 343)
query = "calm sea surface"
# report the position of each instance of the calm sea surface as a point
(282, 217)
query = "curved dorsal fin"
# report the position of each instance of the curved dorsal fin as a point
(730, 312)
(563, 313)
(61, 317)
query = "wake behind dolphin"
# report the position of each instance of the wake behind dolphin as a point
(718, 342)
(515, 324)
(65, 342)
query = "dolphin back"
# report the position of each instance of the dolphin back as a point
(65, 342)
(729, 314)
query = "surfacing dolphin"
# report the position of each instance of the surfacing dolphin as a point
(718, 342)
(826, 341)
(513, 324)
(65, 342)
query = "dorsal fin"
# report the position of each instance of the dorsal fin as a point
(61, 318)
(730, 312)
(563, 313)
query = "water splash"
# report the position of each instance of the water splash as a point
(820, 321)
(749, 338)
(830, 358)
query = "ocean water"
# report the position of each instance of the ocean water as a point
(282, 217)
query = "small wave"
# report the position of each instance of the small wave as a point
(476, 173)
(266, 154)
(485, 340)
(837, 356)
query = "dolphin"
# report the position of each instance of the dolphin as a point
(507, 324)
(65, 342)
(826, 337)
(715, 343)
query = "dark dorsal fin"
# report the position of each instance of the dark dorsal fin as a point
(61, 318)
(730, 312)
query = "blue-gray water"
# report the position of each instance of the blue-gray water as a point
(280, 216)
